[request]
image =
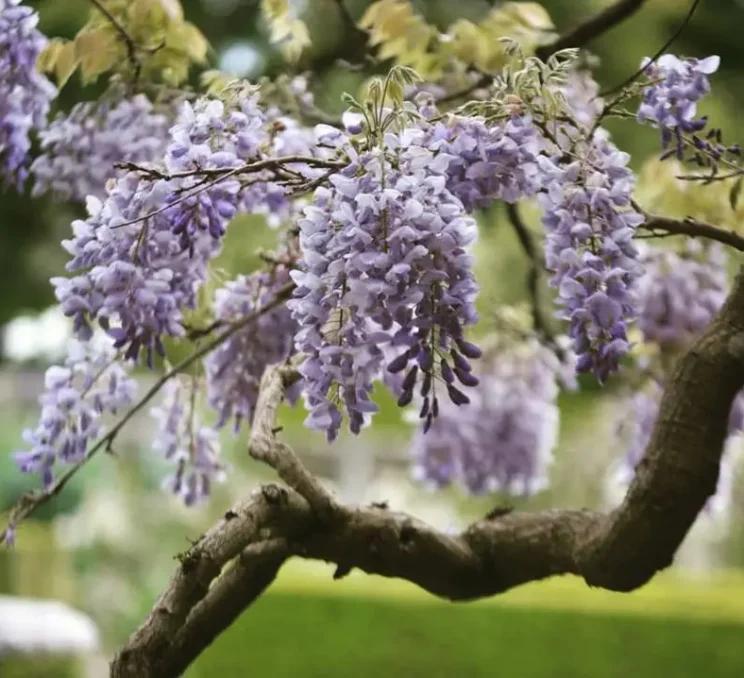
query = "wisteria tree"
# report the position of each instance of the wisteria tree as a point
(371, 279)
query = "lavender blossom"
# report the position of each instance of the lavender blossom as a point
(581, 94)
(76, 396)
(670, 101)
(485, 161)
(192, 448)
(235, 368)
(143, 252)
(504, 439)
(209, 136)
(590, 222)
(80, 149)
(679, 294)
(25, 93)
(383, 261)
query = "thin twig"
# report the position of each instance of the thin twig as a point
(539, 322)
(30, 501)
(659, 52)
(131, 45)
(221, 174)
(248, 168)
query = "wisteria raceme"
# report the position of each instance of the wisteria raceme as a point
(134, 278)
(503, 440)
(143, 252)
(384, 260)
(235, 368)
(581, 94)
(590, 221)
(77, 394)
(209, 136)
(679, 293)
(193, 449)
(25, 93)
(80, 149)
(670, 101)
(485, 162)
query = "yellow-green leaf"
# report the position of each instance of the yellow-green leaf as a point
(531, 14)
(67, 62)
(48, 56)
(98, 50)
(196, 44)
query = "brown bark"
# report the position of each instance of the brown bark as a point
(620, 550)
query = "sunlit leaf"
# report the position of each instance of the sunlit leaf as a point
(98, 50)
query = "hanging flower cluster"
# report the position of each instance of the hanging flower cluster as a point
(679, 293)
(235, 368)
(80, 149)
(590, 222)
(193, 449)
(670, 101)
(90, 384)
(503, 441)
(25, 94)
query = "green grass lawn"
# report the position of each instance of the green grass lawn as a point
(308, 627)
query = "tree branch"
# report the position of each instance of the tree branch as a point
(592, 27)
(539, 321)
(32, 500)
(620, 550)
(264, 446)
(692, 227)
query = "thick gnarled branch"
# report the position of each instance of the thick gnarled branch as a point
(620, 550)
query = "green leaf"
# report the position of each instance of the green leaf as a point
(197, 45)
(67, 63)
(98, 50)
(48, 58)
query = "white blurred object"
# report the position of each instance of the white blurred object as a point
(28, 625)
(43, 336)
(243, 60)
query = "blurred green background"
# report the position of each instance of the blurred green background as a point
(107, 544)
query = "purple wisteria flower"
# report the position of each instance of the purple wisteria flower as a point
(384, 261)
(77, 394)
(80, 149)
(143, 253)
(209, 136)
(24, 92)
(581, 94)
(679, 293)
(590, 222)
(487, 162)
(670, 101)
(193, 449)
(235, 368)
(503, 440)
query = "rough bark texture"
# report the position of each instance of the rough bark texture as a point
(237, 559)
